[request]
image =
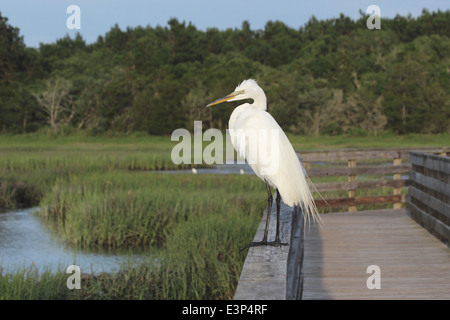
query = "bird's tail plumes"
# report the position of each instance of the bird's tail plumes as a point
(306, 199)
(295, 189)
(309, 205)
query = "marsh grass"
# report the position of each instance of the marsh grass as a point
(197, 234)
(98, 193)
(29, 284)
(30, 164)
(120, 208)
(384, 140)
(94, 192)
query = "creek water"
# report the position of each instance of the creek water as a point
(233, 168)
(26, 241)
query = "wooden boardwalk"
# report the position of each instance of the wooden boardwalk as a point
(409, 246)
(413, 263)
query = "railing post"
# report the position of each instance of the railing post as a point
(397, 176)
(307, 165)
(351, 193)
(294, 278)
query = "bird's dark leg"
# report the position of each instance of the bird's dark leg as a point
(266, 229)
(277, 241)
(269, 209)
(264, 241)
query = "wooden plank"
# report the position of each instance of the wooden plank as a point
(364, 238)
(331, 186)
(341, 202)
(366, 170)
(433, 203)
(430, 190)
(359, 154)
(430, 183)
(264, 274)
(433, 225)
(413, 263)
(431, 161)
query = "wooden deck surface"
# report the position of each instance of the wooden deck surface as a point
(413, 263)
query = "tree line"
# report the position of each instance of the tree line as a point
(330, 76)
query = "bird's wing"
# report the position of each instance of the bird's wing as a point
(259, 138)
(247, 134)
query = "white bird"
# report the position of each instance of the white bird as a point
(257, 137)
(194, 171)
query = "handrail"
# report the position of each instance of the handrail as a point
(277, 272)
(343, 162)
(430, 194)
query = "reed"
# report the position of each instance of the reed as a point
(95, 192)
(120, 209)
(29, 164)
(29, 284)
(98, 193)
(196, 235)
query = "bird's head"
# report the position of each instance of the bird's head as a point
(248, 89)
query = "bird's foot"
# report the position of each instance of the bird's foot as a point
(275, 243)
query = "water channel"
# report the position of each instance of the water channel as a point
(26, 241)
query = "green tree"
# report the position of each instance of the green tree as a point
(14, 108)
(329, 76)
(54, 103)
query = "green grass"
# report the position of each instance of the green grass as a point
(385, 140)
(30, 164)
(196, 235)
(28, 284)
(197, 247)
(95, 192)
(123, 208)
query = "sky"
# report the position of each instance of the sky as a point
(44, 21)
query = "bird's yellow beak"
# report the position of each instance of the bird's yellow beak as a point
(226, 98)
(223, 99)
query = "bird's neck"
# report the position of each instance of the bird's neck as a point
(260, 102)
(236, 112)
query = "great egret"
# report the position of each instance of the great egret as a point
(251, 120)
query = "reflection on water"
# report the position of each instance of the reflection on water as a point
(25, 241)
(234, 168)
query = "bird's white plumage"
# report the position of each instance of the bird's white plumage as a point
(250, 123)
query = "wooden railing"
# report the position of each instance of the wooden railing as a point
(277, 273)
(359, 165)
(429, 192)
